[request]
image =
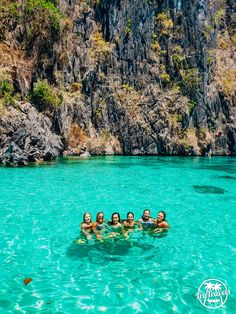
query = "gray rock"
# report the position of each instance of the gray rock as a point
(12, 155)
(147, 118)
(85, 155)
(30, 136)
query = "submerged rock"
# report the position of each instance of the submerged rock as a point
(227, 177)
(208, 189)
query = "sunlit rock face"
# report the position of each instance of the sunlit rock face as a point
(142, 77)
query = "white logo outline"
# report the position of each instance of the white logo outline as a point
(209, 287)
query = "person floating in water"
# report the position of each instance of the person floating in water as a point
(99, 226)
(161, 222)
(162, 225)
(146, 221)
(86, 226)
(129, 223)
(115, 226)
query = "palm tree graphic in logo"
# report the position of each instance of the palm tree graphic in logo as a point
(212, 293)
(210, 287)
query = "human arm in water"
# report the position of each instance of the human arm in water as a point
(163, 224)
(97, 233)
(115, 231)
(139, 223)
(86, 230)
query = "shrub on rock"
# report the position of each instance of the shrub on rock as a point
(45, 97)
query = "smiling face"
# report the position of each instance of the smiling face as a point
(130, 218)
(100, 218)
(146, 215)
(115, 219)
(87, 218)
(160, 216)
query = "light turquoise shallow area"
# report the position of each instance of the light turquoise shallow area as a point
(41, 208)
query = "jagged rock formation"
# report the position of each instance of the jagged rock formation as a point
(135, 77)
(26, 137)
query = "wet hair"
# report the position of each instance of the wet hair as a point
(164, 214)
(146, 210)
(99, 213)
(129, 214)
(85, 215)
(115, 213)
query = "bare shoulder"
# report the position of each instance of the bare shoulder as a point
(167, 225)
(164, 224)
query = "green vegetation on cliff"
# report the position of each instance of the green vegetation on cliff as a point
(39, 19)
(6, 91)
(159, 78)
(45, 97)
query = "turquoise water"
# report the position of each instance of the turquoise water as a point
(41, 208)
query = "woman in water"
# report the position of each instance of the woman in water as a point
(130, 223)
(161, 220)
(99, 226)
(146, 222)
(115, 226)
(86, 225)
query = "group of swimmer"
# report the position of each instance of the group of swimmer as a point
(116, 227)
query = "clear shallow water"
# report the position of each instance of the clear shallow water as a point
(41, 208)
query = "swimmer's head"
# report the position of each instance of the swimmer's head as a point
(100, 217)
(130, 216)
(146, 214)
(87, 218)
(161, 216)
(115, 218)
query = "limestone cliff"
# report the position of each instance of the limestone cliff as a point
(130, 77)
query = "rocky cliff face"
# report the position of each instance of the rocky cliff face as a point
(28, 137)
(134, 77)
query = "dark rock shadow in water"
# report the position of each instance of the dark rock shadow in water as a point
(223, 168)
(208, 189)
(226, 177)
(4, 303)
